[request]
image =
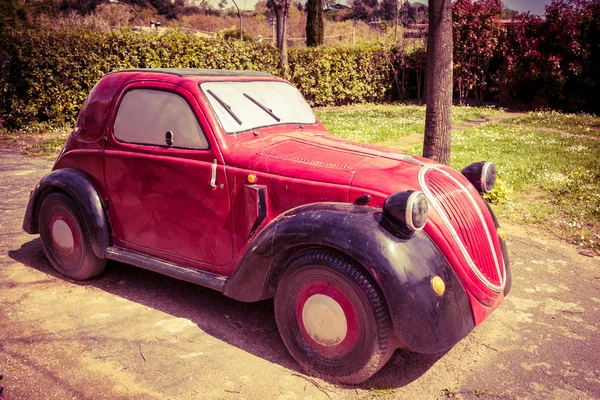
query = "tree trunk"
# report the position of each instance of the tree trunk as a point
(403, 90)
(503, 92)
(438, 91)
(424, 88)
(418, 72)
(483, 87)
(281, 8)
(240, 18)
(463, 91)
(314, 23)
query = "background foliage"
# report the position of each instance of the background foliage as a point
(477, 33)
(48, 69)
(46, 74)
(551, 62)
(341, 75)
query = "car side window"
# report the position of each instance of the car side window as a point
(145, 116)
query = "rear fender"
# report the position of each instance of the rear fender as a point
(82, 190)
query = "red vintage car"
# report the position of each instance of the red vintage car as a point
(228, 180)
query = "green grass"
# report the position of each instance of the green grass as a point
(47, 148)
(384, 123)
(546, 177)
(549, 178)
(38, 140)
(580, 124)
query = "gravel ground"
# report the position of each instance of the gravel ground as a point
(133, 334)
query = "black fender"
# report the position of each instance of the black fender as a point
(402, 266)
(77, 185)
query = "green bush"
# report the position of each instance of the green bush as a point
(46, 74)
(499, 194)
(341, 75)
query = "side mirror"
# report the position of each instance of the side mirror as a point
(169, 138)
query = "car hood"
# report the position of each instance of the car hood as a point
(329, 159)
(459, 221)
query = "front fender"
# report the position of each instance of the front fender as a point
(504, 249)
(82, 190)
(402, 266)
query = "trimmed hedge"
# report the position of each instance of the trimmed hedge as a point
(46, 75)
(341, 75)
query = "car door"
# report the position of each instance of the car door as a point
(165, 179)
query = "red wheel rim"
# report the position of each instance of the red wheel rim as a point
(337, 295)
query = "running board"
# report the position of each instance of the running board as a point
(176, 271)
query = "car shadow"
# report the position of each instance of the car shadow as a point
(236, 323)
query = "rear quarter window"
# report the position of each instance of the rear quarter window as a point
(94, 111)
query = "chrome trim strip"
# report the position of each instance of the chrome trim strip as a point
(484, 172)
(455, 236)
(408, 215)
(193, 275)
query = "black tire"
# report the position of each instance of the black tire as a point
(65, 238)
(329, 352)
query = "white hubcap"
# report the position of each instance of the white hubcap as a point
(324, 320)
(62, 236)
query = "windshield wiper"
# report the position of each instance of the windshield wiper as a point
(265, 109)
(226, 106)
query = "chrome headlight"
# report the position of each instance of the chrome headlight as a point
(482, 175)
(408, 209)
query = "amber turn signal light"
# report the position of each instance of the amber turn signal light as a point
(502, 234)
(438, 285)
(251, 178)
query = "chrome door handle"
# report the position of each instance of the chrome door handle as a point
(213, 178)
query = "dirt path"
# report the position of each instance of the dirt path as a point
(408, 142)
(503, 117)
(133, 334)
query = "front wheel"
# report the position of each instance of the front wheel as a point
(65, 238)
(332, 318)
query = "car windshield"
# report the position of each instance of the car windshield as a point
(241, 106)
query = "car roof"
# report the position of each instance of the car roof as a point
(196, 72)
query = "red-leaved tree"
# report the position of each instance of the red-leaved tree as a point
(520, 58)
(553, 62)
(477, 31)
(565, 48)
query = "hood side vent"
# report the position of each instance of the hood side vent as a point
(352, 143)
(310, 154)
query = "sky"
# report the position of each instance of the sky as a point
(535, 6)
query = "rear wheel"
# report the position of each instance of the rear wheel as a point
(65, 238)
(332, 318)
